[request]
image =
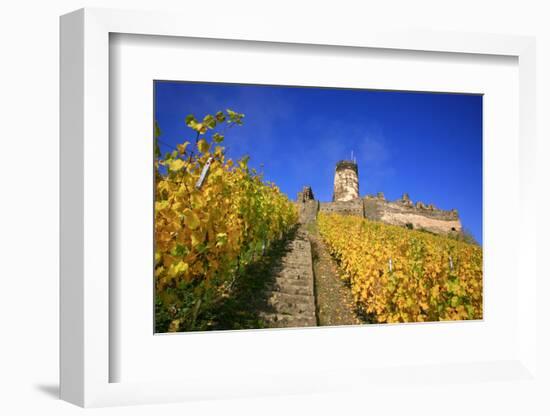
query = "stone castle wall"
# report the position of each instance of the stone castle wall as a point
(353, 207)
(416, 216)
(307, 211)
(376, 208)
(403, 212)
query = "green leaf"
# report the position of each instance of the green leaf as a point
(179, 250)
(235, 117)
(192, 123)
(454, 301)
(156, 136)
(157, 130)
(209, 121)
(243, 163)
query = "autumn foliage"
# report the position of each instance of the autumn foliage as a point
(401, 275)
(213, 215)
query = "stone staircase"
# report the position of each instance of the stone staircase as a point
(290, 299)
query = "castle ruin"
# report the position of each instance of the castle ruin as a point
(346, 181)
(402, 212)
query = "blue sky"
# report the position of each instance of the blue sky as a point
(426, 144)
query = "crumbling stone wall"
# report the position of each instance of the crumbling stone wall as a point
(307, 211)
(305, 195)
(353, 207)
(417, 216)
(402, 212)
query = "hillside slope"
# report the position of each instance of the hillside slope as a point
(402, 275)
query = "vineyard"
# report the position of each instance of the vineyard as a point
(401, 275)
(213, 217)
(226, 240)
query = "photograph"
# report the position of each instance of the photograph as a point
(291, 206)
(275, 208)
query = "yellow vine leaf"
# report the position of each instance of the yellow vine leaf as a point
(421, 285)
(176, 165)
(203, 234)
(191, 219)
(203, 145)
(182, 147)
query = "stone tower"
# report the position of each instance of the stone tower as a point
(346, 181)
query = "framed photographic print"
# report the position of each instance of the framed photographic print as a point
(257, 205)
(236, 249)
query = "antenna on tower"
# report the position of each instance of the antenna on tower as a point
(352, 155)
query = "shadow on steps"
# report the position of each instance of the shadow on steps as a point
(274, 291)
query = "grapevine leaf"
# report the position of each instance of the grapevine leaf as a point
(182, 147)
(191, 219)
(176, 165)
(203, 145)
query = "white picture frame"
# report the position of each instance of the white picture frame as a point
(85, 352)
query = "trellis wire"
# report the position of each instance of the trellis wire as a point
(390, 264)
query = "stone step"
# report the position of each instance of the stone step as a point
(292, 308)
(295, 255)
(285, 281)
(277, 320)
(299, 245)
(296, 262)
(291, 298)
(295, 268)
(292, 252)
(298, 257)
(294, 276)
(292, 289)
(280, 304)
